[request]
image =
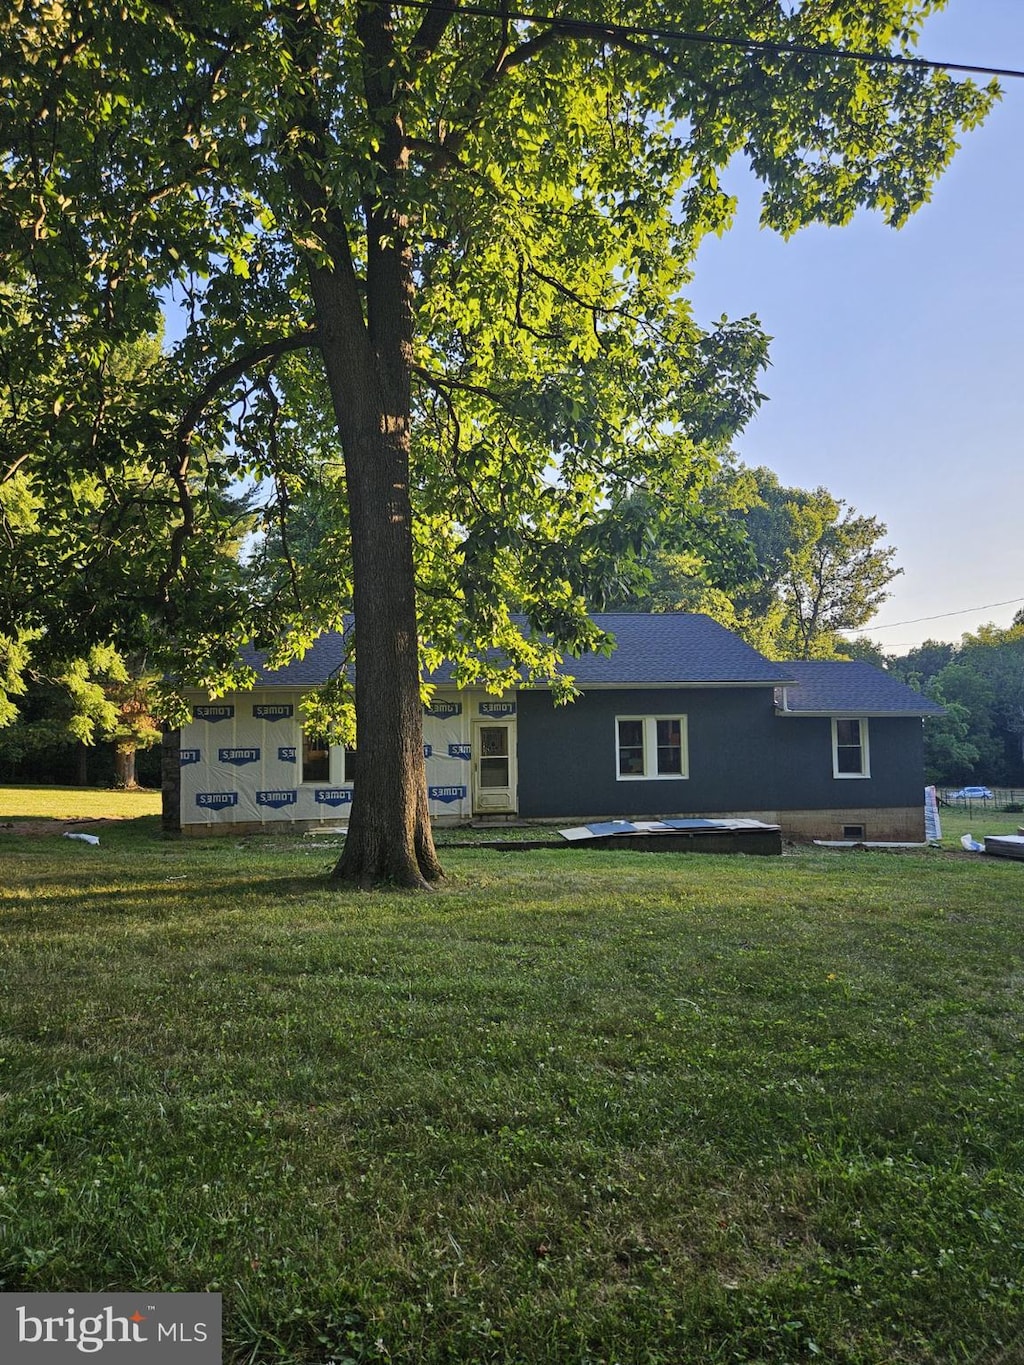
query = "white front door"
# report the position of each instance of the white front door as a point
(494, 767)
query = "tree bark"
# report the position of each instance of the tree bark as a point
(124, 768)
(368, 368)
(365, 331)
(389, 837)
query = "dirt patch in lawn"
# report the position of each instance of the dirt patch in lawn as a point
(42, 828)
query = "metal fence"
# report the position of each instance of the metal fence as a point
(1001, 798)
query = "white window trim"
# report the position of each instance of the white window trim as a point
(650, 733)
(865, 749)
(339, 764)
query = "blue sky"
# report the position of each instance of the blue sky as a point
(897, 377)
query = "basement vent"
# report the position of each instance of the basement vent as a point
(853, 832)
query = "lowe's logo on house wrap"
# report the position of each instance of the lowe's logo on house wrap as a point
(273, 711)
(215, 800)
(187, 756)
(275, 800)
(286, 754)
(497, 708)
(333, 796)
(459, 751)
(238, 757)
(443, 709)
(213, 713)
(447, 794)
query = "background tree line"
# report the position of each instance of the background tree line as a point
(980, 682)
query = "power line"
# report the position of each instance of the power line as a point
(589, 28)
(964, 611)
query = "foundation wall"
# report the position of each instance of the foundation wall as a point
(874, 825)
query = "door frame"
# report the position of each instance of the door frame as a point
(511, 806)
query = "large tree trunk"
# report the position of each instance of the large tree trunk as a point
(365, 332)
(389, 837)
(368, 367)
(124, 767)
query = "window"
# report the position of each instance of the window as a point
(325, 762)
(494, 756)
(850, 748)
(650, 747)
(316, 757)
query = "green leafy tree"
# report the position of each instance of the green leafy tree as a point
(867, 651)
(970, 697)
(997, 657)
(981, 684)
(817, 560)
(133, 694)
(480, 228)
(91, 517)
(789, 569)
(920, 665)
(98, 697)
(950, 754)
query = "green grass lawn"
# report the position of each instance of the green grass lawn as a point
(977, 822)
(575, 1107)
(75, 803)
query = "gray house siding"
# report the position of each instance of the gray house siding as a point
(567, 754)
(743, 756)
(803, 763)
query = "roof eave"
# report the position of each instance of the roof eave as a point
(855, 713)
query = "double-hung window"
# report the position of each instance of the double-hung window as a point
(850, 757)
(650, 747)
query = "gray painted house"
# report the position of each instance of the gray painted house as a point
(682, 719)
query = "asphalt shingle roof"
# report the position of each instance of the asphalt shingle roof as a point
(666, 647)
(673, 647)
(320, 662)
(829, 686)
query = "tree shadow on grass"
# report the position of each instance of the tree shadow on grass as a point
(160, 900)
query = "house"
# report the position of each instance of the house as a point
(683, 719)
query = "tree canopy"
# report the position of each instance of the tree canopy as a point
(788, 568)
(980, 682)
(449, 243)
(96, 696)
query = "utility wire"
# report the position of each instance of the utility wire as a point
(589, 28)
(964, 611)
